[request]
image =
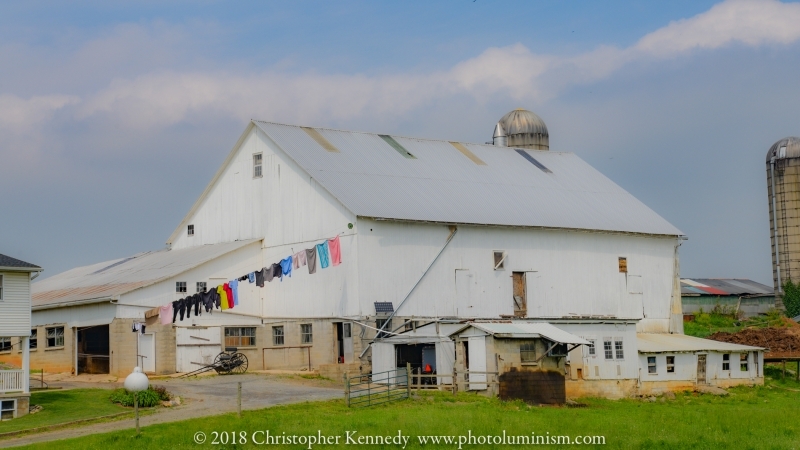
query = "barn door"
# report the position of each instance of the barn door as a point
(464, 306)
(520, 294)
(196, 347)
(347, 338)
(477, 363)
(147, 352)
(701, 369)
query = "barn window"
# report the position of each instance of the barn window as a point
(410, 325)
(618, 349)
(623, 264)
(608, 349)
(651, 365)
(240, 336)
(190, 230)
(590, 349)
(180, 286)
(726, 361)
(201, 286)
(558, 350)
(5, 344)
(743, 362)
(257, 164)
(527, 351)
(55, 337)
(306, 335)
(33, 342)
(499, 260)
(385, 325)
(277, 335)
(519, 294)
(670, 364)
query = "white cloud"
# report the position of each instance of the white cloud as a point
(21, 114)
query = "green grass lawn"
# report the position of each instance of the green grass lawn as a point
(62, 406)
(749, 418)
(708, 323)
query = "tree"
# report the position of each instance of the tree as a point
(791, 298)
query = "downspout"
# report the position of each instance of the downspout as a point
(453, 231)
(775, 223)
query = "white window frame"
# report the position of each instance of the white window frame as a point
(10, 346)
(13, 402)
(652, 365)
(307, 333)
(726, 361)
(670, 366)
(202, 284)
(744, 363)
(619, 352)
(591, 349)
(258, 165)
(190, 229)
(180, 287)
(608, 349)
(55, 337)
(278, 335)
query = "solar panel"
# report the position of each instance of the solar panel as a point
(384, 307)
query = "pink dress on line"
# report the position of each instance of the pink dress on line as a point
(336, 251)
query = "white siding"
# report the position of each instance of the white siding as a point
(76, 316)
(686, 367)
(569, 273)
(15, 307)
(597, 367)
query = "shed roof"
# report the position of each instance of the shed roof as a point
(665, 343)
(14, 264)
(400, 178)
(724, 286)
(425, 333)
(105, 280)
(525, 330)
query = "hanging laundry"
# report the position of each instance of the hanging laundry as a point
(251, 277)
(136, 327)
(207, 301)
(177, 307)
(198, 304)
(187, 302)
(150, 313)
(260, 277)
(242, 278)
(229, 293)
(234, 285)
(286, 267)
(269, 273)
(324, 256)
(143, 327)
(301, 258)
(336, 251)
(277, 272)
(311, 258)
(223, 296)
(296, 260)
(164, 314)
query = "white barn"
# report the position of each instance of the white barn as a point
(435, 229)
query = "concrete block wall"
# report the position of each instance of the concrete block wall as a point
(123, 344)
(55, 359)
(23, 403)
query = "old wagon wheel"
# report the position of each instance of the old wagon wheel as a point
(238, 363)
(222, 364)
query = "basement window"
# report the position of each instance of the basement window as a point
(670, 364)
(651, 365)
(623, 264)
(527, 351)
(306, 334)
(726, 361)
(499, 260)
(277, 335)
(8, 409)
(180, 286)
(201, 286)
(190, 230)
(743, 362)
(55, 337)
(5, 344)
(257, 165)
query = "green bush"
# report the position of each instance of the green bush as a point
(791, 298)
(150, 397)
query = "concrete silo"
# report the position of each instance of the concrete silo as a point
(783, 187)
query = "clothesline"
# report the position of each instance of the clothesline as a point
(226, 296)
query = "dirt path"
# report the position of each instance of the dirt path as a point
(205, 396)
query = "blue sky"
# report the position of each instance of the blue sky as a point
(113, 118)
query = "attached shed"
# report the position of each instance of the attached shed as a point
(526, 359)
(671, 362)
(428, 345)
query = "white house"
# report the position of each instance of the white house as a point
(429, 230)
(16, 338)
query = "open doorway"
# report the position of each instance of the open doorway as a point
(93, 351)
(421, 358)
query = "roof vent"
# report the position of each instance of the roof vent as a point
(499, 137)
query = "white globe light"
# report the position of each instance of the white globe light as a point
(136, 381)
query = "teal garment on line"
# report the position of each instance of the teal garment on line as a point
(286, 267)
(324, 255)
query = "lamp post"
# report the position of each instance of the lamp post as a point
(135, 382)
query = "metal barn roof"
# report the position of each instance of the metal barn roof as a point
(526, 330)
(103, 281)
(14, 264)
(724, 286)
(665, 343)
(393, 177)
(426, 333)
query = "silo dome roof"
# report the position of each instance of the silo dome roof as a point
(522, 121)
(792, 145)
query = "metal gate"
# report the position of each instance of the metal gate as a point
(377, 388)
